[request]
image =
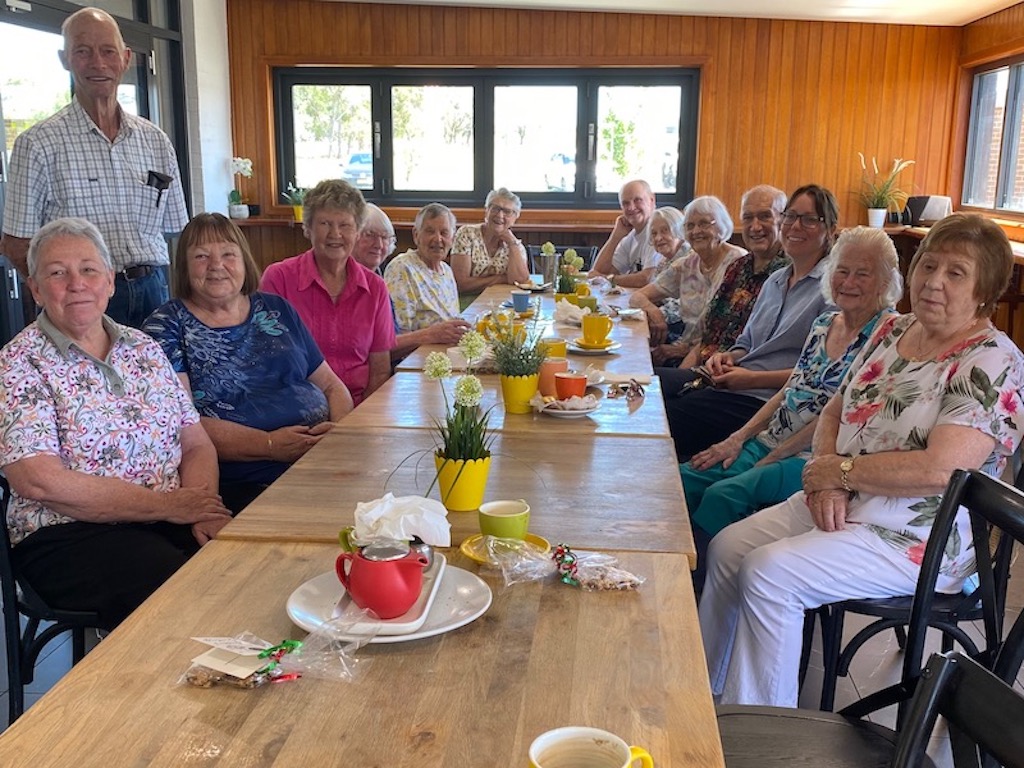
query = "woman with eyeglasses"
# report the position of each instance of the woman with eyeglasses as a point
(376, 242)
(345, 306)
(676, 298)
(489, 253)
(742, 379)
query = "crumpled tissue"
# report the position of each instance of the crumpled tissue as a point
(403, 518)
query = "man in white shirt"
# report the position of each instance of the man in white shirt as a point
(628, 257)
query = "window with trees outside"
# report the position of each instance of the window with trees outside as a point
(994, 167)
(558, 138)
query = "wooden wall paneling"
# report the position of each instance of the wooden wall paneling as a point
(999, 34)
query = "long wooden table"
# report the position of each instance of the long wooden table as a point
(409, 399)
(599, 493)
(544, 655)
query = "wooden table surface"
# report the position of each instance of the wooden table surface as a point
(543, 656)
(409, 399)
(608, 493)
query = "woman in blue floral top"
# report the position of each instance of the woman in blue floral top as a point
(257, 378)
(760, 463)
(931, 391)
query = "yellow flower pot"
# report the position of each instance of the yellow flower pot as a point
(297, 213)
(462, 483)
(572, 298)
(516, 391)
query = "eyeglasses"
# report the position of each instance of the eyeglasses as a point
(633, 390)
(765, 217)
(506, 211)
(371, 235)
(807, 220)
(703, 224)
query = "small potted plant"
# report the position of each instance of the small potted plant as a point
(878, 191)
(463, 453)
(568, 269)
(237, 209)
(517, 356)
(295, 197)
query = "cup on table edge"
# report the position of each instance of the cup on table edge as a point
(596, 328)
(555, 346)
(505, 519)
(548, 369)
(570, 384)
(520, 300)
(577, 746)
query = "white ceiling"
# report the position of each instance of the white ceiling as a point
(952, 13)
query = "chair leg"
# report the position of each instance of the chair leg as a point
(805, 651)
(901, 637)
(831, 643)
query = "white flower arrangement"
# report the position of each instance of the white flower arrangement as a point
(240, 166)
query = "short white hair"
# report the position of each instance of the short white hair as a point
(377, 219)
(503, 193)
(709, 205)
(876, 242)
(67, 227)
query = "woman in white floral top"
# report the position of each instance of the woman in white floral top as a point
(931, 392)
(489, 253)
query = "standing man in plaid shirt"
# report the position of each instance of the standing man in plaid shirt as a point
(94, 160)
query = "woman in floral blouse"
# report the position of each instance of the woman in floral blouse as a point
(760, 463)
(932, 391)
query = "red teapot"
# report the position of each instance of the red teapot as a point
(385, 577)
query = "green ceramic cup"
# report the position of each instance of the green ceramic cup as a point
(505, 519)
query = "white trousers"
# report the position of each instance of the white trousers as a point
(763, 572)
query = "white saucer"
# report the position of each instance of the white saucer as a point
(461, 598)
(573, 347)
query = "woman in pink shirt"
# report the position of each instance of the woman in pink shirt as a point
(344, 305)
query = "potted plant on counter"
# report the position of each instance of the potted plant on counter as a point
(237, 209)
(517, 356)
(463, 453)
(295, 197)
(878, 191)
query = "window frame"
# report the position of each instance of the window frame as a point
(484, 80)
(1011, 133)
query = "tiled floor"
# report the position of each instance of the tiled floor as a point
(876, 666)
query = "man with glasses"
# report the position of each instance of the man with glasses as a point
(94, 160)
(628, 258)
(706, 404)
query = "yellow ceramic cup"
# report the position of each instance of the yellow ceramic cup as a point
(576, 746)
(596, 328)
(582, 289)
(505, 519)
(555, 346)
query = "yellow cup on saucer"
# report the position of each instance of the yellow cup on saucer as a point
(596, 329)
(555, 346)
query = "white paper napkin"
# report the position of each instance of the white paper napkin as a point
(569, 313)
(402, 518)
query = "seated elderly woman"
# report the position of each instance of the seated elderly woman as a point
(376, 242)
(760, 463)
(683, 290)
(931, 391)
(422, 285)
(344, 304)
(113, 479)
(489, 253)
(264, 391)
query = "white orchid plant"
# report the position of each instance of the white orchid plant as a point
(240, 166)
(463, 433)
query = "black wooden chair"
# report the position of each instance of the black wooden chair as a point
(19, 599)
(773, 736)
(586, 252)
(948, 612)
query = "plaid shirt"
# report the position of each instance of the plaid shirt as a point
(66, 166)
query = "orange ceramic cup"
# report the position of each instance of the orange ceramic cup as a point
(570, 384)
(548, 369)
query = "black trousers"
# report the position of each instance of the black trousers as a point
(703, 417)
(107, 568)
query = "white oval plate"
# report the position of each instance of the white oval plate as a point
(559, 413)
(462, 597)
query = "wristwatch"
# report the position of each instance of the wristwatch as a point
(846, 467)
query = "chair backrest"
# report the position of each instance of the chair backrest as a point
(992, 504)
(984, 715)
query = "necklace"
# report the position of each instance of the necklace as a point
(921, 355)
